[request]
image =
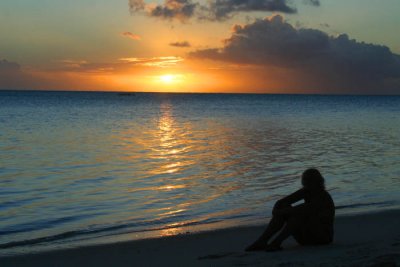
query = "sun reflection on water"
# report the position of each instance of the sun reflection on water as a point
(170, 232)
(170, 143)
(171, 153)
(180, 166)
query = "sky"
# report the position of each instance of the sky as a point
(247, 46)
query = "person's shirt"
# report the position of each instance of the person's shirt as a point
(318, 204)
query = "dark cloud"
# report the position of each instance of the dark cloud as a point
(312, 2)
(137, 5)
(179, 9)
(222, 9)
(171, 9)
(323, 60)
(12, 76)
(7, 66)
(214, 9)
(180, 44)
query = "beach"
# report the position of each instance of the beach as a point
(371, 239)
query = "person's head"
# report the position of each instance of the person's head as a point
(312, 179)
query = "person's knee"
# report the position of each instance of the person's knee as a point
(295, 221)
(281, 205)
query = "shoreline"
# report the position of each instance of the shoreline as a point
(366, 239)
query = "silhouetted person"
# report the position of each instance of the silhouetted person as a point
(310, 223)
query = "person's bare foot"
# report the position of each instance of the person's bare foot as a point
(257, 246)
(272, 248)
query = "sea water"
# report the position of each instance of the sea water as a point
(90, 167)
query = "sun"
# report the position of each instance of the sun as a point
(170, 81)
(169, 78)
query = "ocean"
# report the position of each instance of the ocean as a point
(80, 168)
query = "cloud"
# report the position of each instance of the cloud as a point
(77, 74)
(312, 2)
(137, 5)
(70, 63)
(317, 59)
(224, 9)
(161, 62)
(171, 9)
(131, 36)
(180, 44)
(11, 75)
(123, 64)
(216, 10)
(7, 66)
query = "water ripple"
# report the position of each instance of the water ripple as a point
(81, 164)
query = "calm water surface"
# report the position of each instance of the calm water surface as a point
(79, 168)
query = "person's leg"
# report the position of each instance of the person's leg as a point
(293, 225)
(316, 233)
(274, 226)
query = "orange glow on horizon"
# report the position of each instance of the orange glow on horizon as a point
(189, 76)
(171, 78)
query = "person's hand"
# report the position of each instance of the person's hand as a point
(278, 205)
(276, 212)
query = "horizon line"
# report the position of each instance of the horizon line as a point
(203, 93)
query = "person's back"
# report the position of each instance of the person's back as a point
(323, 214)
(310, 223)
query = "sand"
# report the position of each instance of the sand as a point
(360, 240)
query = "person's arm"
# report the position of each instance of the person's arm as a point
(303, 209)
(285, 202)
(292, 198)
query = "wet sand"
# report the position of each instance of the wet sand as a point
(360, 240)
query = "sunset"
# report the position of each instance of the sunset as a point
(199, 133)
(208, 47)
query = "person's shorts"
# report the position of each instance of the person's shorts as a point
(312, 232)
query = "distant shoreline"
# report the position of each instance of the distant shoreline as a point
(194, 93)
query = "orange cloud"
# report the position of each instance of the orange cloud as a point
(131, 36)
(161, 62)
(180, 44)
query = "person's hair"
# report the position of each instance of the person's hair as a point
(314, 177)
